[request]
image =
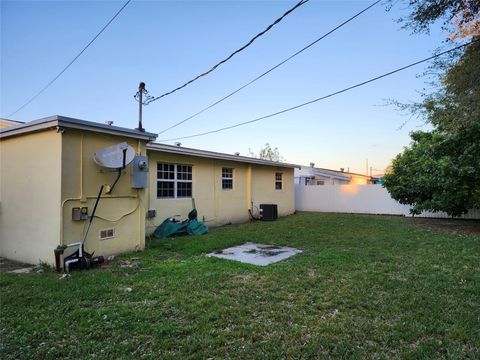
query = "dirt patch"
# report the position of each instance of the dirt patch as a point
(131, 263)
(453, 226)
(270, 247)
(7, 265)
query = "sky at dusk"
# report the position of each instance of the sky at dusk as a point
(165, 43)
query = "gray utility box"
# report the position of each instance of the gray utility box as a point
(139, 172)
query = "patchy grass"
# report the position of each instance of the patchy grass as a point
(364, 287)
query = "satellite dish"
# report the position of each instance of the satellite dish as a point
(112, 156)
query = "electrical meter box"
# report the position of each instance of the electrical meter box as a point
(139, 172)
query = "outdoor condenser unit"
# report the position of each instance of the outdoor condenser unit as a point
(269, 212)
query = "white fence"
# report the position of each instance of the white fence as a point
(359, 199)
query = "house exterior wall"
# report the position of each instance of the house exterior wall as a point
(30, 168)
(45, 174)
(216, 206)
(123, 210)
(264, 192)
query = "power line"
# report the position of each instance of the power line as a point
(232, 54)
(71, 62)
(270, 70)
(323, 97)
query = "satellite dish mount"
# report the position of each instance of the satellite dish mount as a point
(115, 157)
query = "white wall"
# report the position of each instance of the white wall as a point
(359, 199)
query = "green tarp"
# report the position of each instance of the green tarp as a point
(171, 227)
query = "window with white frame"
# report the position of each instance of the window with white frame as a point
(174, 181)
(278, 181)
(227, 179)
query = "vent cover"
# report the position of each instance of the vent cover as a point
(105, 234)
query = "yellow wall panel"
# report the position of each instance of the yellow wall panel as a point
(30, 181)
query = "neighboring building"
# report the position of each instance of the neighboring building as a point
(47, 171)
(7, 123)
(310, 175)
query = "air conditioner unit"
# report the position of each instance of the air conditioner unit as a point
(269, 212)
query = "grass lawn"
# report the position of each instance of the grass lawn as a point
(364, 287)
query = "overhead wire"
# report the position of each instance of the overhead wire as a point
(271, 69)
(71, 62)
(232, 54)
(322, 97)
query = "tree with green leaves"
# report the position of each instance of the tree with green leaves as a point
(457, 16)
(440, 170)
(268, 153)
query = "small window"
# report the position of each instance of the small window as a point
(227, 178)
(278, 181)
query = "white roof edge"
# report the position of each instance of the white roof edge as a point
(324, 174)
(173, 149)
(309, 171)
(71, 123)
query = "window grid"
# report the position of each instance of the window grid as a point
(174, 181)
(227, 179)
(278, 181)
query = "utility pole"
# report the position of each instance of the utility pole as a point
(139, 96)
(141, 90)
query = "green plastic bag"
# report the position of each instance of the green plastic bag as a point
(170, 228)
(195, 227)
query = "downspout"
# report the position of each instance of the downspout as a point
(249, 187)
(215, 197)
(61, 187)
(81, 170)
(139, 223)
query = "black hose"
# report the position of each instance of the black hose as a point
(93, 212)
(116, 180)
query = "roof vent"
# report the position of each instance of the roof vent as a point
(312, 164)
(178, 143)
(342, 169)
(237, 153)
(109, 122)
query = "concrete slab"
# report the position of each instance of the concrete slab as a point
(26, 270)
(256, 254)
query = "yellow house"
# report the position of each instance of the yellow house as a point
(47, 170)
(49, 184)
(225, 187)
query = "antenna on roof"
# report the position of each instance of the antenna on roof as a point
(141, 90)
(141, 101)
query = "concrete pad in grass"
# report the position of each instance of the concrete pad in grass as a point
(256, 254)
